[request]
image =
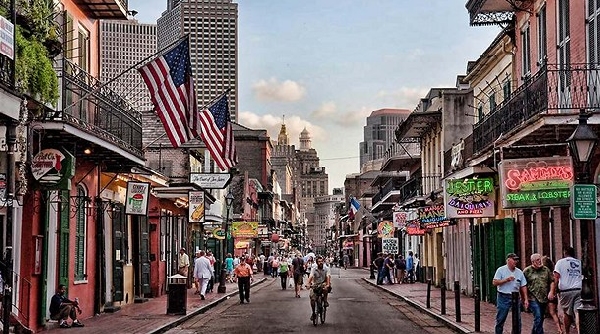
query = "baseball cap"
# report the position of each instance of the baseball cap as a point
(512, 256)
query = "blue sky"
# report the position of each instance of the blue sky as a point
(326, 64)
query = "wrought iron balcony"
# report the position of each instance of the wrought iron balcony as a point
(96, 109)
(553, 89)
(104, 9)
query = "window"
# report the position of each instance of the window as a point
(526, 51)
(593, 31)
(506, 90)
(542, 37)
(81, 234)
(564, 52)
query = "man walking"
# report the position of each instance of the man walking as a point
(184, 263)
(539, 278)
(244, 275)
(378, 263)
(508, 279)
(298, 271)
(202, 272)
(410, 267)
(567, 283)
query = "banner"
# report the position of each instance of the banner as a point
(244, 229)
(196, 206)
(136, 200)
(470, 197)
(389, 245)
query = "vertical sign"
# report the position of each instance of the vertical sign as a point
(196, 206)
(7, 38)
(136, 200)
(584, 201)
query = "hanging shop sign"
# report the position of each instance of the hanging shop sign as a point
(211, 180)
(385, 229)
(399, 219)
(413, 227)
(7, 38)
(536, 182)
(348, 244)
(2, 189)
(389, 245)
(433, 216)
(136, 200)
(196, 206)
(244, 229)
(218, 233)
(470, 197)
(53, 169)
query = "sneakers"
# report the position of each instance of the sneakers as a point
(247, 300)
(326, 304)
(64, 324)
(202, 297)
(77, 324)
(312, 317)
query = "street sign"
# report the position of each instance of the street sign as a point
(584, 201)
(389, 245)
(211, 180)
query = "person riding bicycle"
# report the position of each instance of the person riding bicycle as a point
(319, 277)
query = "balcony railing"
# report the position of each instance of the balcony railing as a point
(411, 188)
(557, 88)
(391, 185)
(96, 109)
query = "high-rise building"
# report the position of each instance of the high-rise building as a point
(379, 135)
(124, 44)
(212, 28)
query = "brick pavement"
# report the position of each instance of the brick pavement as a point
(151, 316)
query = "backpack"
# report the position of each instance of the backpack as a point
(275, 263)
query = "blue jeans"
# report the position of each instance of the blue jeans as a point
(379, 276)
(503, 306)
(538, 309)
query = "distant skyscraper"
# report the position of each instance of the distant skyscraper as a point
(379, 134)
(122, 45)
(212, 28)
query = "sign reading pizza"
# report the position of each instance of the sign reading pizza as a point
(536, 182)
(469, 197)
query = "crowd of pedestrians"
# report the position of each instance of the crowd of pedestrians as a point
(395, 269)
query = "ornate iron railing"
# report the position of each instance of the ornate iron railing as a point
(553, 89)
(97, 109)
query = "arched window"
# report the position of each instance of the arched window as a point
(81, 234)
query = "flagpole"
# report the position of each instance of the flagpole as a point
(102, 85)
(215, 99)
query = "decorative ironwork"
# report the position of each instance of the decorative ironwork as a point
(100, 111)
(553, 89)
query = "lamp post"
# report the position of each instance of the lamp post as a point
(583, 142)
(228, 202)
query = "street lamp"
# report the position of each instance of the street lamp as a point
(228, 202)
(583, 142)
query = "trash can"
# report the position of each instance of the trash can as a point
(177, 294)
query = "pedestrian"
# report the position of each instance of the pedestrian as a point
(274, 267)
(283, 272)
(244, 275)
(211, 281)
(400, 268)
(298, 272)
(553, 303)
(229, 268)
(567, 283)
(378, 263)
(539, 278)
(410, 267)
(346, 260)
(269, 268)
(184, 263)
(202, 273)
(388, 269)
(508, 279)
(260, 262)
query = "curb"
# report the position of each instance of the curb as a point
(200, 310)
(440, 318)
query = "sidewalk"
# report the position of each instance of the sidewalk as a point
(416, 295)
(151, 316)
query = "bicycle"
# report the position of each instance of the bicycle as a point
(320, 308)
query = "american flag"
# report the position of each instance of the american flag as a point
(217, 133)
(169, 79)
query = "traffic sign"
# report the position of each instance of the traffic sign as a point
(584, 201)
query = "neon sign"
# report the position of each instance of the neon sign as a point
(536, 182)
(470, 197)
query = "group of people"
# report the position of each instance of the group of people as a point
(542, 286)
(395, 269)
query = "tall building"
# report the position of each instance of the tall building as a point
(212, 28)
(122, 45)
(379, 135)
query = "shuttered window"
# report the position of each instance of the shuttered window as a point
(80, 234)
(526, 51)
(542, 36)
(564, 45)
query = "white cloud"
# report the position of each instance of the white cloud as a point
(404, 97)
(326, 110)
(294, 125)
(273, 90)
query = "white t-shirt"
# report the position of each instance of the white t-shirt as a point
(510, 286)
(569, 270)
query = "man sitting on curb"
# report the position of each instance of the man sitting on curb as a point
(61, 308)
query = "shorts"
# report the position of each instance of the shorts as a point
(298, 279)
(569, 301)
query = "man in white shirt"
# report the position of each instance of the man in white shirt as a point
(567, 283)
(508, 279)
(202, 272)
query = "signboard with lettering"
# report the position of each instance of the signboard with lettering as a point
(584, 201)
(196, 206)
(211, 180)
(219, 233)
(470, 197)
(389, 245)
(385, 229)
(136, 200)
(536, 182)
(53, 168)
(244, 229)
(433, 216)
(7, 38)
(399, 219)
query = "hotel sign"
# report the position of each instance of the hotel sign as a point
(470, 197)
(536, 182)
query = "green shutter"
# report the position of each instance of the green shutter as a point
(63, 263)
(80, 235)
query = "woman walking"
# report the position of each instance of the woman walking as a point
(284, 269)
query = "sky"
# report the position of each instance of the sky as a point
(327, 64)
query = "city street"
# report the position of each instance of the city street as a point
(355, 307)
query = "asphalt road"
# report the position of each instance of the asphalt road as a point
(355, 307)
